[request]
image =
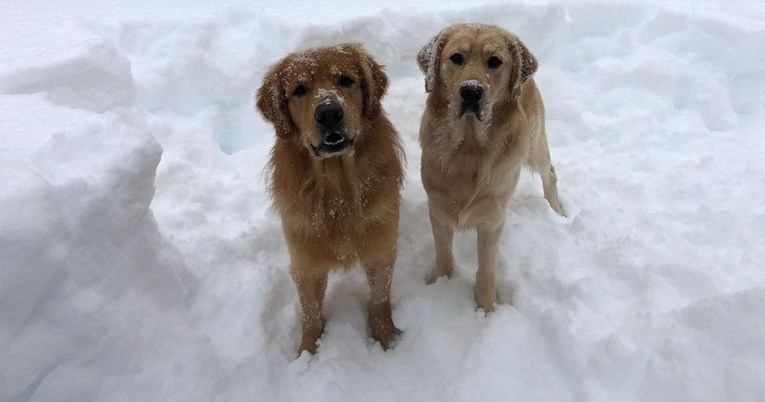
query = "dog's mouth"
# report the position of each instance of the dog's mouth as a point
(333, 143)
(470, 107)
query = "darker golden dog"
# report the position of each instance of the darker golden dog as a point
(335, 176)
(484, 120)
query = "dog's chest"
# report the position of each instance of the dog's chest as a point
(466, 177)
(339, 222)
(342, 209)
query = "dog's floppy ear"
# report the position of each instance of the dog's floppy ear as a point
(271, 101)
(428, 58)
(374, 81)
(524, 65)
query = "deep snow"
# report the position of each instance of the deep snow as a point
(139, 259)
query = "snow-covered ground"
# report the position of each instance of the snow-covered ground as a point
(139, 259)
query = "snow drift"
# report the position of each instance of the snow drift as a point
(139, 259)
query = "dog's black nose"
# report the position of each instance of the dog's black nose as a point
(328, 114)
(471, 92)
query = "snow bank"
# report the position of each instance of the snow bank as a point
(127, 277)
(93, 303)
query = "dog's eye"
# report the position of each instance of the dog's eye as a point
(457, 59)
(494, 62)
(345, 81)
(300, 90)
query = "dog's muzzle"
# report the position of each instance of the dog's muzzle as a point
(471, 92)
(329, 118)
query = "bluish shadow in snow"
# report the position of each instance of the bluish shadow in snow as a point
(229, 143)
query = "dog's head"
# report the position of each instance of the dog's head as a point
(474, 67)
(322, 96)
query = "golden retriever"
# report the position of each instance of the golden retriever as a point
(483, 120)
(335, 176)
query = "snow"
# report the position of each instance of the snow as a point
(327, 96)
(140, 259)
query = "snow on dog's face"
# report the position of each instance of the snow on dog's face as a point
(474, 67)
(320, 96)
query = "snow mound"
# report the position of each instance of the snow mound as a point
(94, 301)
(139, 258)
(97, 80)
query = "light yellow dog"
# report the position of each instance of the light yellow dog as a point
(484, 119)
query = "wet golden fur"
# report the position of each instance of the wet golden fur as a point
(470, 168)
(339, 210)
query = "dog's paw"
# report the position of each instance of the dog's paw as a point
(431, 278)
(387, 337)
(436, 273)
(488, 309)
(558, 208)
(307, 346)
(310, 338)
(486, 302)
(383, 330)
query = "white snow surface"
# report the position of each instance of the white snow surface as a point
(139, 259)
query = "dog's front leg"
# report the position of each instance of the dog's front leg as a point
(311, 287)
(379, 275)
(488, 244)
(443, 237)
